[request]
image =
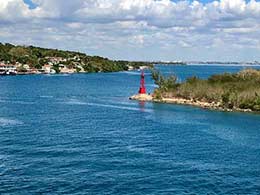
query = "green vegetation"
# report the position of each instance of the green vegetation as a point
(37, 57)
(233, 91)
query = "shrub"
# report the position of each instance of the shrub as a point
(232, 90)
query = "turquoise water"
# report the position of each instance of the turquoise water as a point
(79, 134)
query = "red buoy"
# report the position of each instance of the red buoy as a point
(142, 89)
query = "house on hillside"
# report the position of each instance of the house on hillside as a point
(65, 70)
(47, 68)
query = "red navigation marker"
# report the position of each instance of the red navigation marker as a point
(142, 89)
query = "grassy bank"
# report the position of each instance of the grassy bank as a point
(231, 91)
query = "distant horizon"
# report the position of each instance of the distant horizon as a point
(157, 61)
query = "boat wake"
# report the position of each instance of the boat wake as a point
(78, 102)
(46, 96)
(9, 122)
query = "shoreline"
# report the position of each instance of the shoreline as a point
(181, 101)
(71, 73)
(68, 73)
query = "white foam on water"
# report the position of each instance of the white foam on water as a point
(122, 107)
(16, 101)
(9, 122)
(121, 102)
(46, 96)
(75, 102)
(21, 102)
(78, 102)
(139, 149)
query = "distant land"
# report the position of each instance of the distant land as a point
(16, 59)
(224, 63)
(205, 62)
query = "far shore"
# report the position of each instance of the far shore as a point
(66, 73)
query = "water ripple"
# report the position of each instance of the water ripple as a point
(9, 122)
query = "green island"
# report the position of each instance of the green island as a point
(239, 91)
(227, 92)
(36, 60)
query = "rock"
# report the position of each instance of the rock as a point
(141, 97)
(177, 100)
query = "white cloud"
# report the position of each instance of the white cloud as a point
(13, 10)
(105, 26)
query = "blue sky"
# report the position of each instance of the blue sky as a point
(30, 3)
(137, 29)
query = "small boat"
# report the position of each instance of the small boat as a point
(8, 73)
(7, 69)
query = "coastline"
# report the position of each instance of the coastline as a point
(68, 73)
(181, 101)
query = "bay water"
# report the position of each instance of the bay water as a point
(80, 134)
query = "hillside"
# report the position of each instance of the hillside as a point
(29, 58)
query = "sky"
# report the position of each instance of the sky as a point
(187, 30)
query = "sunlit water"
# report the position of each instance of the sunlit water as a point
(79, 134)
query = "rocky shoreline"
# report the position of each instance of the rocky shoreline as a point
(182, 101)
